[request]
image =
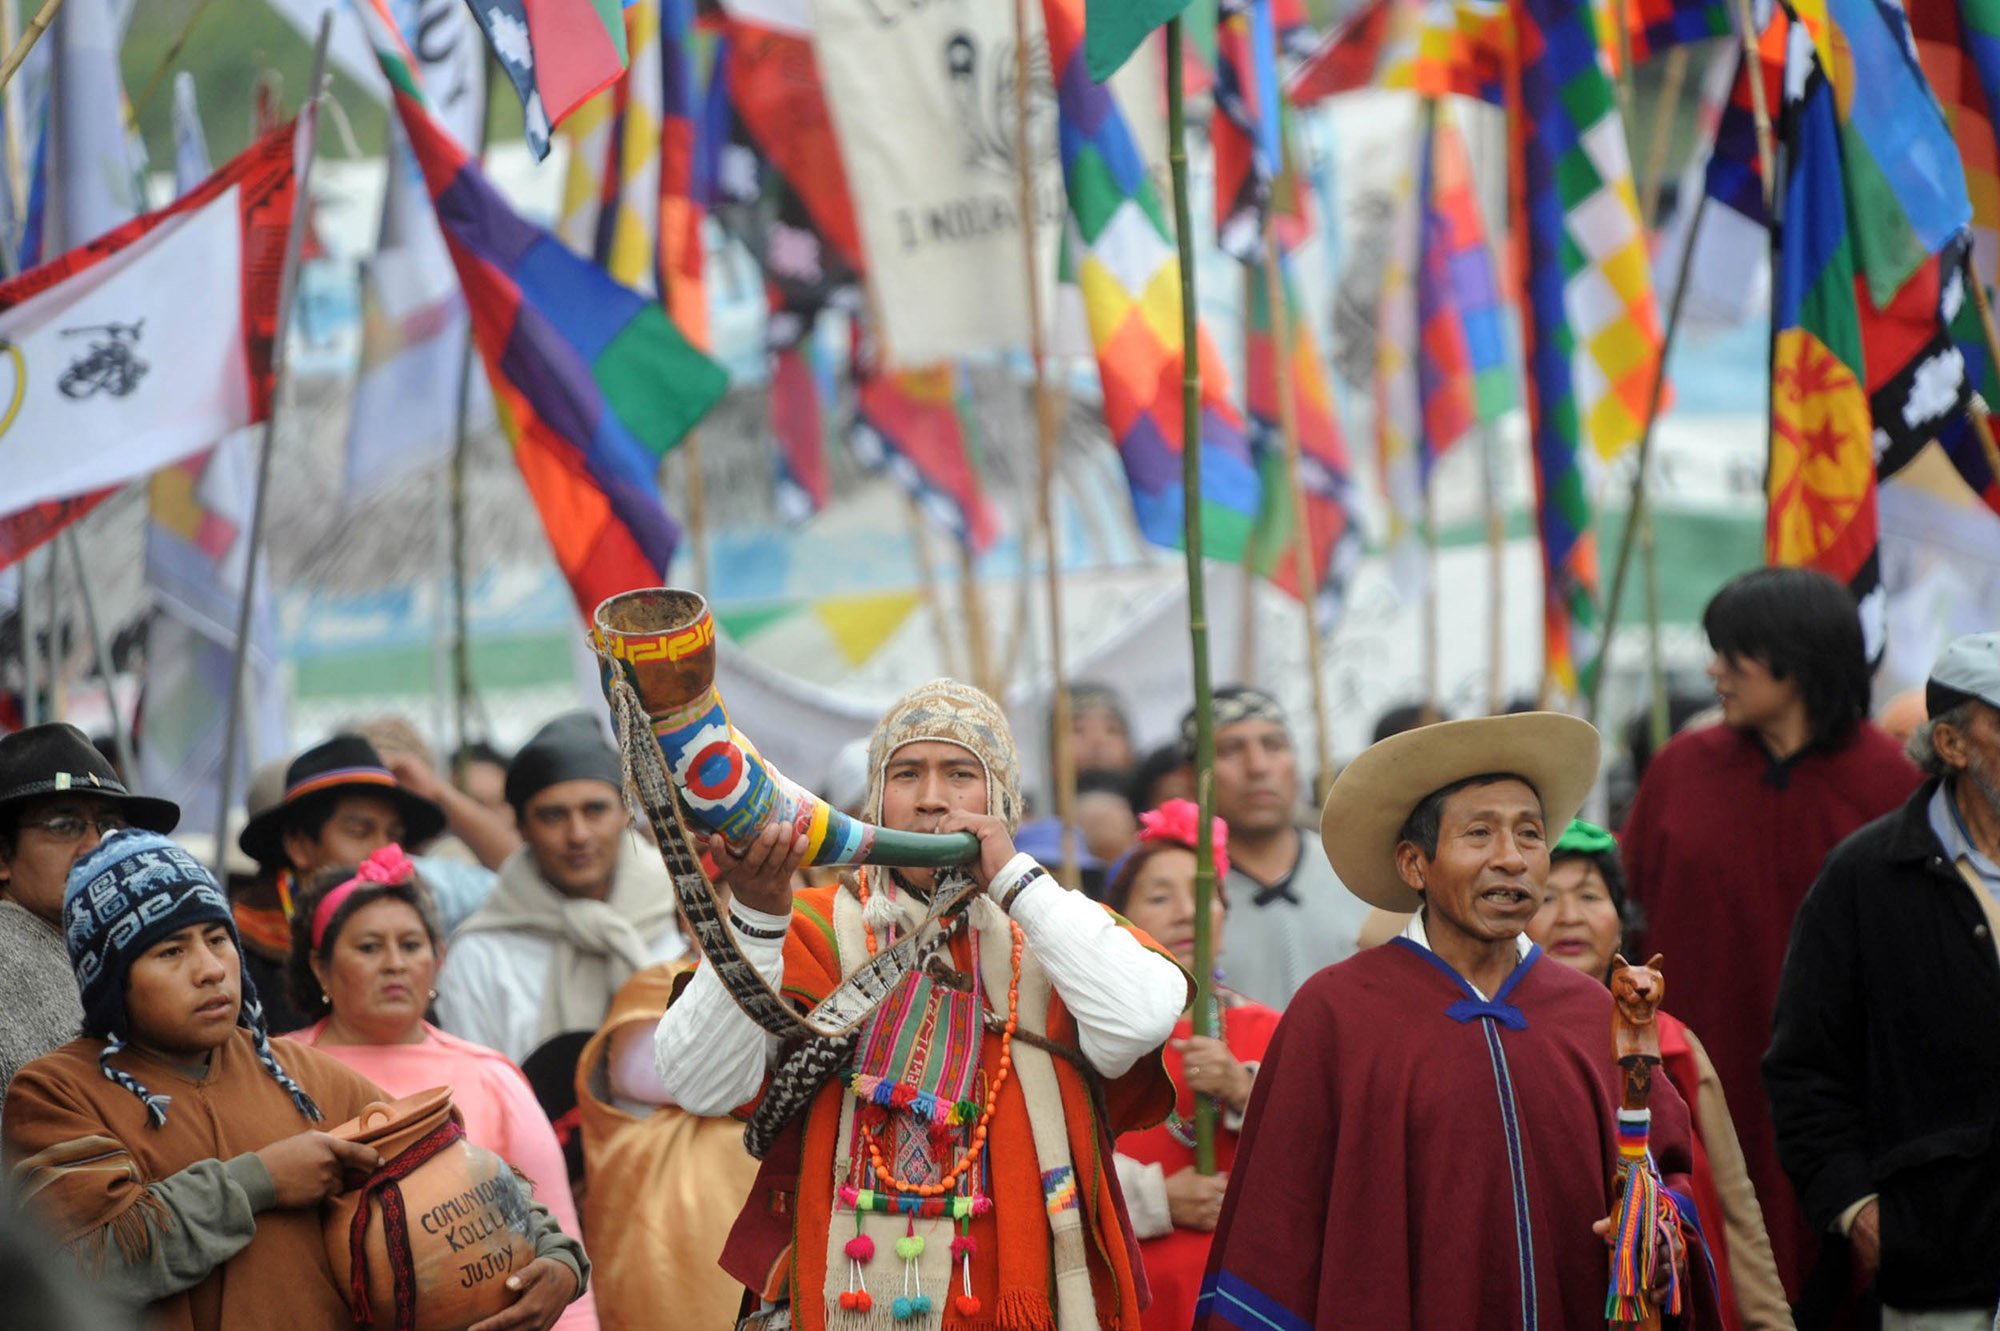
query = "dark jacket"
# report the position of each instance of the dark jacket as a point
(1884, 1066)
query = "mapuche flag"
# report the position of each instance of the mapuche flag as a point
(592, 381)
(1869, 257)
(144, 346)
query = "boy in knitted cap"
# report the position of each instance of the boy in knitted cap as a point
(958, 1175)
(174, 1150)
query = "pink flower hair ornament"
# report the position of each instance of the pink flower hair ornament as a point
(389, 866)
(1177, 822)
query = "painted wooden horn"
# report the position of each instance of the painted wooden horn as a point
(662, 640)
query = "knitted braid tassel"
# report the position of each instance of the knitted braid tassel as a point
(1646, 1221)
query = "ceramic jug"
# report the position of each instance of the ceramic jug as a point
(434, 1232)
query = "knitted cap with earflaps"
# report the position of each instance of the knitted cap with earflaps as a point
(134, 889)
(954, 713)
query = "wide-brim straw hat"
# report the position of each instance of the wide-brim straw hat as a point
(1374, 794)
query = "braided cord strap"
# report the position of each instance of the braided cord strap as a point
(841, 1013)
(382, 1186)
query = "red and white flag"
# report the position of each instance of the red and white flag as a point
(144, 346)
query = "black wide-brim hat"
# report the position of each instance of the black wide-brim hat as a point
(59, 759)
(345, 763)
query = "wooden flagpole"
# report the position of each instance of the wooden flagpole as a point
(280, 364)
(461, 459)
(927, 577)
(979, 655)
(1981, 425)
(166, 62)
(37, 25)
(1063, 759)
(31, 709)
(1302, 546)
(1496, 558)
(1253, 554)
(1204, 718)
(100, 647)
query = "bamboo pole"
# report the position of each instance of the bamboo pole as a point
(1063, 759)
(1302, 547)
(1635, 512)
(1760, 107)
(981, 659)
(31, 709)
(18, 53)
(697, 528)
(16, 159)
(1663, 126)
(1981, 426)
(462, 687)
(1204, 718)
(166, 63)
(1253, 554)
(949, 662)
(100, 647)
(1433, 665)
(280, 365)
(1496, 555)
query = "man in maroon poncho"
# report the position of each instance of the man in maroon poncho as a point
(1418, 1154)
(1730, 827)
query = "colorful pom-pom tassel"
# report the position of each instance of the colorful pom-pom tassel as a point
(903, 1310)
(861, 1248)
(920, 1305)
(963, 1246)
(910, 1247)
(967, 1305)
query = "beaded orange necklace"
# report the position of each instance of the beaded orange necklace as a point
(977, 1146)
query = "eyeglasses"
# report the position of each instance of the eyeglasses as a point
(68, 827)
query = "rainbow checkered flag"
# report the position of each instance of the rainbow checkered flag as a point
(1591, 333)
(1124, 259)
(592, 382)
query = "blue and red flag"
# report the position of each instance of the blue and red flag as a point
(1868, 264)
(592, 382)
(558, 54)
(911, 425)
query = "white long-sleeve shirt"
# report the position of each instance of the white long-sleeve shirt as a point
(1125, 999)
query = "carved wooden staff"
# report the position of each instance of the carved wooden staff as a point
(1644, 1226)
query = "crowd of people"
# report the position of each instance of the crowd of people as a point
(1418, 1118)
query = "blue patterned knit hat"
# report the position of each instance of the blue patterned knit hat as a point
(134, 889)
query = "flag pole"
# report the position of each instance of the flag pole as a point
(1496, 556)
(927, 576)
(1302, 546)
(461, 457)
(1063, 759)
(100, 646)
(1982, 427)
(697, 528)
(37, 25)
(1635, 510)
(979, 656)
(1253, 553)
(1204, 718)
(25, 620)
(166, 62)
(1760, 107)
(280, 363)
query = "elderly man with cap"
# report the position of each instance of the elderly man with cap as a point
(1884, 1065)
(580, 907)
(1433, 1132)
(58, 796)
(1288, 914)
(958, 1173)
